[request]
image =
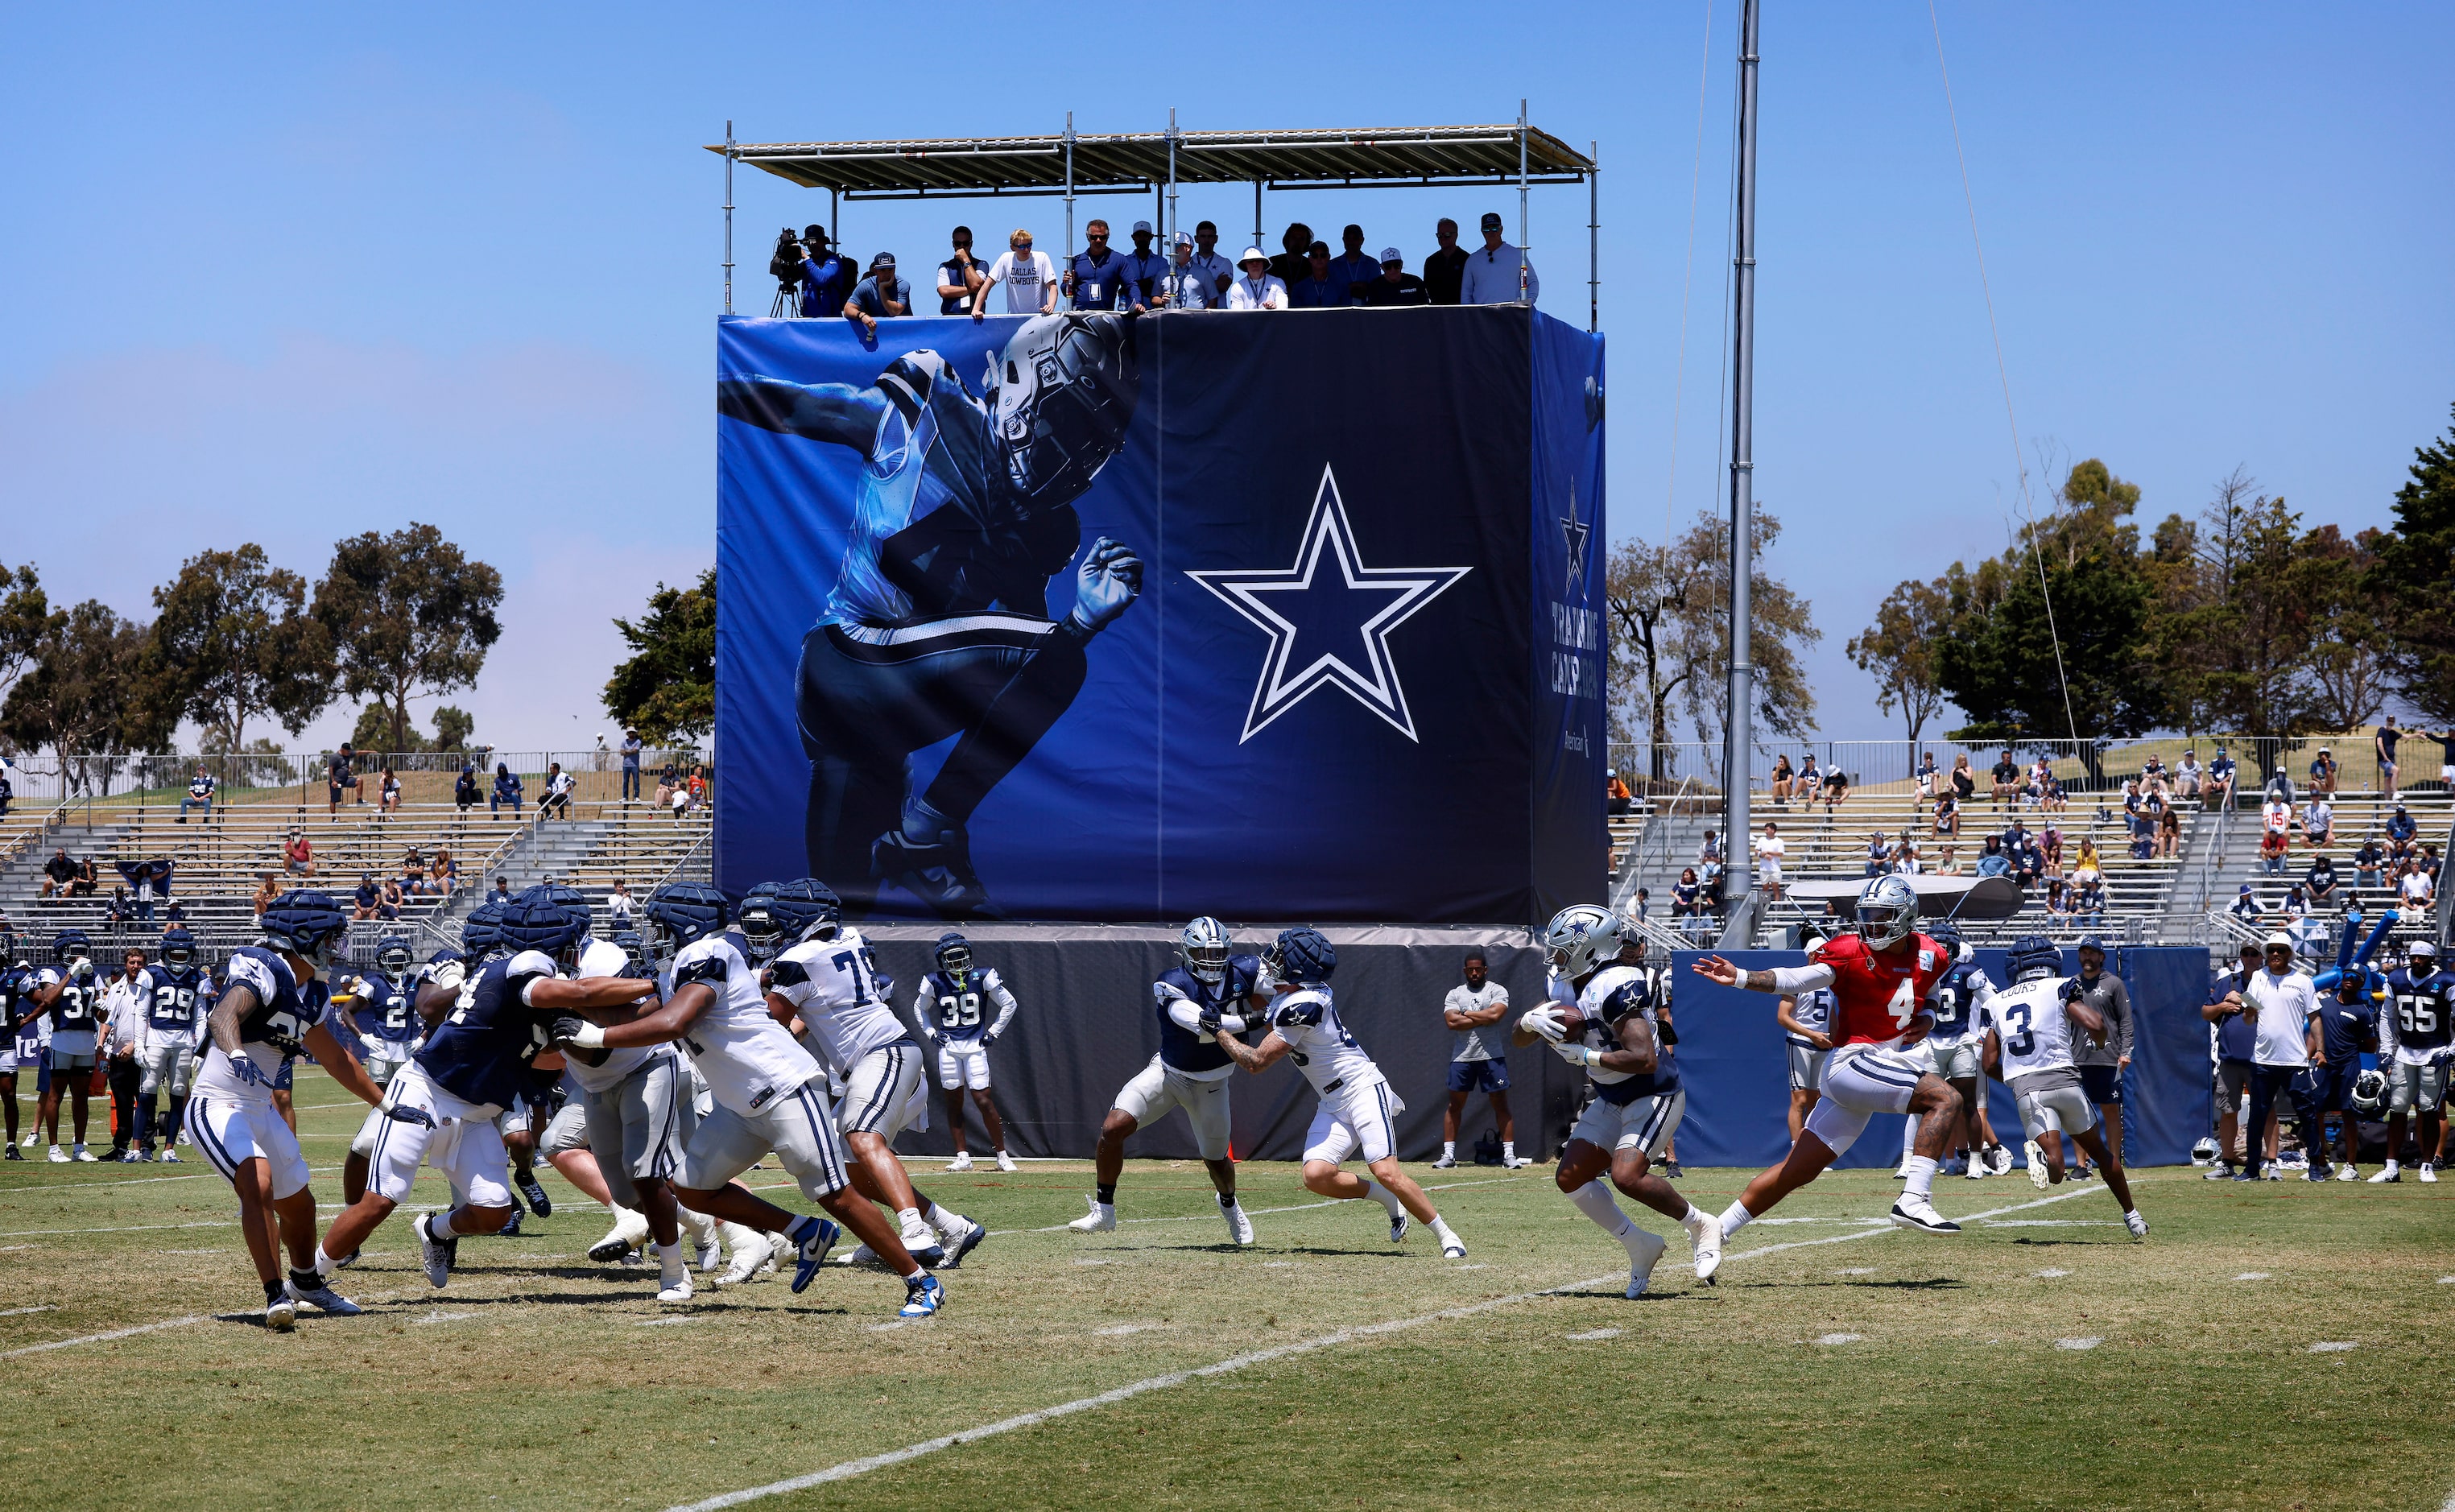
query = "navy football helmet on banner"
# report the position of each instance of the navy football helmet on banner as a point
(1066, 388)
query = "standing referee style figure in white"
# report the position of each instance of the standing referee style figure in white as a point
(1479, 1059)
(1491, 273)
(2283, 1004)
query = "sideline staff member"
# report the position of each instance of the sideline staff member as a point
(1479, 1058)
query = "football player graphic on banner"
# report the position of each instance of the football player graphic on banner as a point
(939, 625)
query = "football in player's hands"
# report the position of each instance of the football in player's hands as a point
(1555, 1022)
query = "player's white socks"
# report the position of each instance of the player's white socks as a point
(671, 1266)
(1922, 1170)
(917, 1235)
(1448, 1236)
(324, 1263)
(947, 1222)
(1595, 1201)
(699, 1226)
(1735, 1218)
(1449, 1149)
(1384, 1195)
(1509, 1152)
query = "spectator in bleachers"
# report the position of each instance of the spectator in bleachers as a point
(621, 907)
(1257, 288)
(1905, 858)
(2384, 741)
(2028, 865)
(1396, 287)
(2245, 905)
(2144, 835)
(1965, 782)
(174, 912)
(1095, 275)
(2274, 832)
(200, 793)
(507, 790)
(826, 276)
(464, 788)
(1617, 797)
(443, 872)
(298, 854)
(1993, 862)
(2187, 775)
(1143, 266)
(2053, 799)
(1186, 285)
(557, 801)
(2417, 887)
(1207, 259)
(59, 874)
(1029, 277)
(503, 889)
(1770, 852)
(2169, 834)
(1684, 893)
(2088, 862)
(2323, 774)
(8, 790)
(147, 882)
(1785, 781)
(960, 278)
(1445, 266)
(1947, 815)
(388, 902)
(2367, 863)
(2035, 788)
(1317, 289)
(630, 748)
(2446, 754)
(2220, 779)
(1497, 273)
(2401, 828)
(1947, 864)
(2089, 908)
(2296, 905)
(1709, 850)
(1353, 266)
(1644, 902)
(880, 296)
(1292, 264)
(340, 776)
(388, 795)
(2429, 862)
(2050, 846)
(366, 897)
(698, 785)
(1879, 855)
(2320, 883)
(2006, 777)
(2319, 823)
(2015, 834)
(119, 910)
(1923, 779)
(268, 888)
(1836, 788)
(1810, 777)
(2058, 908)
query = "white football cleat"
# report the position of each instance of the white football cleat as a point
(171, 1155)
(732, 1236)
(2428, 1173)
(1006, 1161)
(1917, 1213)
(1974, 1167)
(1705, 1237)
(434, 1254)
(89, 1157)
(751, 1251)
(630, 1229)
(1398, 1227)
(281, 1314)
(321, 1297)
(2137, 1225)
(679, 1291)
(1452, 1249)
(1100, 1219)
(2347, 1171)
(1644, 1248)
(963, 1162)
(2390, 1174)
(60, 1157)
(2000, 1162)
(1240, 1228)
(1446, 1162)
(2037, 1164)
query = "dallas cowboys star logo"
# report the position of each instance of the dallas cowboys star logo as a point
(1576, 533)
(1328, 629)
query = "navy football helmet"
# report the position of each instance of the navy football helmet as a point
(2035, 956)
(481, 933)
(1300, 955)
(178, 947)
(1064, 389)
(954, 954)
(1203, 947)
(541, 924)
(391, 954)
(636, 952)
(304, 921)
(69, 944)
(683, 912)
(571, 900)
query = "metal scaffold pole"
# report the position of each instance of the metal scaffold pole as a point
(1739, 735)
(731, 152)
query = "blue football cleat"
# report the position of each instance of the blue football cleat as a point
(812, 1253)
(922, 1296)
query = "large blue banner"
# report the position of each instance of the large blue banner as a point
(1271, 616)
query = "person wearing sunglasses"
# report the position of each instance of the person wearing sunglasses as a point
(1029, 277)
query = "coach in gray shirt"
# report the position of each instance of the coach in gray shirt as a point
(2101, 1065)
(1480, 1058)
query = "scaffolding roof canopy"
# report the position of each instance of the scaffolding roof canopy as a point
(1137, 162)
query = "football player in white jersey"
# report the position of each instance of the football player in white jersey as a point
(821, 976)
(1638, 1100)
(1357, 1108)
(2029, 1049)
(769, 1094)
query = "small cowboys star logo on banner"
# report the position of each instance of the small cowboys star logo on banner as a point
(1329, 618)
(1574, 532)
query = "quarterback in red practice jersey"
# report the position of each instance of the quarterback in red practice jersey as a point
(1880, 977)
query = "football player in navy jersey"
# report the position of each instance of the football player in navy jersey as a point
(1959, 1004)
(263, 1018)
(444, 1105)
(177, 993)
(21, 1043)
(938, 623)
(391, 1014)
(951, 1008)
(70, 992)
(1209, 994)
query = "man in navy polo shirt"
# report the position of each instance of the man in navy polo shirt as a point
(1319, 291)
(2347, 1026)
(960, 276)
(2234, 1037)
(880, 295)
(1354, 266)
(1144, 267)
(1096, 275)
(828, 278)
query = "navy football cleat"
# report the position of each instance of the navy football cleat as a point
(535, 1192)
(939, 875)
(922, 1296)
(812, 1253)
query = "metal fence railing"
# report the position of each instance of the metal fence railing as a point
(598, 774)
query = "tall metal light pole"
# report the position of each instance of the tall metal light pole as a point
(730, 153)
(1739, 736)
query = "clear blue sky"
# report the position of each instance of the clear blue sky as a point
(285, 274)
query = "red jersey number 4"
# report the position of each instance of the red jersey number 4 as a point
(1879, 995)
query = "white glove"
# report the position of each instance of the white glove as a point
(1545, 1023)
(449, 976)
(1577, 1055)
(82, 968)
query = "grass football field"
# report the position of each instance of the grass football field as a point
(2270, 1345)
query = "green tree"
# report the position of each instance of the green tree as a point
(28, 622)
(374, 731)
(97, 685)
(1900, 651)
(2346, 662)
(2023, 673)
(2415, 580)
(409, 614)
(235, 641)
(666, 688)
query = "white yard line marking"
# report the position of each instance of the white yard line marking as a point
(20, 1312)
(133, 1228)
(1856, 1270)
(2051, 1273)
(2054, 1222)
(1253, 1212)
(2252, 1275)
(2090, 1342)
(2333, 1347)
(1593, 1336)
(440, 1316)
(850, 1468)
(96, 1339)
(658, 1322)
(1840, 1338)
(1117, 1330)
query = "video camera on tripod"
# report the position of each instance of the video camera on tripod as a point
(785, 264)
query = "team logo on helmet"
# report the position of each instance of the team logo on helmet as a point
(1203, 948)
(954, 954)
(1580, 938)
(1888, 912)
